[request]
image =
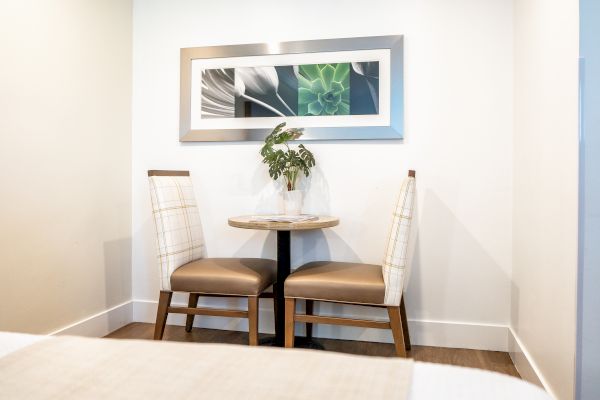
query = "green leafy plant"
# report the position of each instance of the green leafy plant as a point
(324, 89)
(283, 160)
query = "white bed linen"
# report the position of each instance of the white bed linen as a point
(430, 381)
(448, 382)
(10, 341)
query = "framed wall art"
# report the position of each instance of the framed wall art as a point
(335, 89)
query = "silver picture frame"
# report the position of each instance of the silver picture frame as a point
(395, 130)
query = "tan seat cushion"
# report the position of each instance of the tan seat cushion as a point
(236, 276)
(337, 281)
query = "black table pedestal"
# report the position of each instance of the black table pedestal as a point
(283, 271)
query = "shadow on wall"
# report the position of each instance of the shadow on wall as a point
(117, 271)
(515, 295)
(439, 270)
(147, 275)
(316, 245)
(316, 200)
(257, 240)
(118, 289)
(442, 251)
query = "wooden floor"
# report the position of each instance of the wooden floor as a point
(488, 360)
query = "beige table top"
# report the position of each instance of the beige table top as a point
(246, 222)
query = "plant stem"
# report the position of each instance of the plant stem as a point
(374, 96)
(291, 175)
(284, 103)
(265, 105)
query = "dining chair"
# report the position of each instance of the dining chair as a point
(182, 263)
(358, 284)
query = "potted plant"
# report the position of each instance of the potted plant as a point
(287, 162)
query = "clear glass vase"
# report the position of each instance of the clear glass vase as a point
(292, 202)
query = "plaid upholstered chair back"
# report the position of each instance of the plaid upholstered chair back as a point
(177, 221)
(395, 260)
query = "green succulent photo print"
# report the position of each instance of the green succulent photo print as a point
(324, 89)
(348, 88)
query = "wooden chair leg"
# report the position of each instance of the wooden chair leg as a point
(290, 316)
(275, 291)
(396, 325)
(164, 301)
(192, 303)
(253, 320)
(406, 335)
(309, 311)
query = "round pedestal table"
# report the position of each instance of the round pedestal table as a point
(283, 259)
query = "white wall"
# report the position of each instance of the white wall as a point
(459, 93)
(65, 173)
(545, 190)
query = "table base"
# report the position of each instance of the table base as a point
(300, 342)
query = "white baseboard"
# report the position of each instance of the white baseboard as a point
(422, 332)
(100, 324)
(525, 364)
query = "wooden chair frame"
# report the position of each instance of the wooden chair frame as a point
(397, 322)
(165, 308)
